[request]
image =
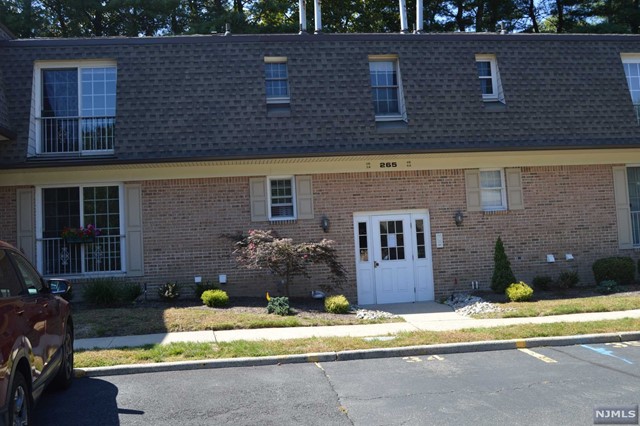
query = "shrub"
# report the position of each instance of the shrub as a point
(519, 292)
(169, 291)
(568, 279)
(278, 306)
(618, 269)
(202, 287)
(542, 282)
(607, 287)
(336, 304)
(215, 298)
(502, 273)
(109, 291)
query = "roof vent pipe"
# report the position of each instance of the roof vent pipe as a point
(227, 29)
(303, 16)
(419, 16)
(318, 16)
(404, 27)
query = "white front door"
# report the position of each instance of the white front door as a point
(393, 257)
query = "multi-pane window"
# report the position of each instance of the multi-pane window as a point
(488, 75)
(392, 240)
(420, 240)
(492, 190)
(363, 243)
(281, 200)
(77, 110)
(277, 82)
(385, 89)
(633, 180)
(632, 71)
(75, 209)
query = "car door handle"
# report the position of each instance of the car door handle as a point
(20, 312)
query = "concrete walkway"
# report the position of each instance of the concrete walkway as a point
(428, 316)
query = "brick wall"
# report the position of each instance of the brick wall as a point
(567, 210)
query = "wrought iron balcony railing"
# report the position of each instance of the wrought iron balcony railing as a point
(84, 135)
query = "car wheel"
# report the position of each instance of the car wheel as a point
(65, 373)
(20, 403)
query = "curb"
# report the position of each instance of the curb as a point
(446, 348)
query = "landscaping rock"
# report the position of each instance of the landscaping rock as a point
(467, 305)
(366, 314)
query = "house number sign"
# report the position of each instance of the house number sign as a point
(388, 164)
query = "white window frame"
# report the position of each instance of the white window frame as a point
(503, 191)
(277, 99)
(402, 114)
(632, 58)
(39, 210)
(36, 112)
(493, 62)
(293, 198)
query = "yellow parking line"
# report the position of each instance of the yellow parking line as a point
(537, 355)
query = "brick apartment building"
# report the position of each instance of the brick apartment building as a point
(417, 151)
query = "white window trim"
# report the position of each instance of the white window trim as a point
(494, 77)
(36, 122)
(503, 191)
(402, 115)
(123, 225)
(278, 60)
(293, 198)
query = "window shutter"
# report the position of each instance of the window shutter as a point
(25, 199)
(472, 184)
(514, 189)
(304, 197)
(258, 195)
(133, 237)
(623, 211)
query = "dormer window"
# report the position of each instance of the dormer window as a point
(277, 80)
(490, 85)
(631, 63)
(386, 88)
(75, 108)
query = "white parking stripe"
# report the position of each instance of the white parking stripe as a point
(537, 355)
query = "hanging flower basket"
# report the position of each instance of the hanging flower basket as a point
(80, 235)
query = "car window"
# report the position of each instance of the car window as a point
(10, 285)
(31, 278)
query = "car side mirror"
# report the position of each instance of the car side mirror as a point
(59, 286)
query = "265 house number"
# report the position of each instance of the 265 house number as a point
(388, 164)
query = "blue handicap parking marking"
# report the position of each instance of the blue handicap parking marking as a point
(606, 352)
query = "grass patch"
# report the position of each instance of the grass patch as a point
(542, 308)
(150, 320)
(242, 348)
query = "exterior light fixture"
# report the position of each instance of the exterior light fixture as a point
(459, 218)
(324, 224)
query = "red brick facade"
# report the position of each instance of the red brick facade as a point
(568, 209)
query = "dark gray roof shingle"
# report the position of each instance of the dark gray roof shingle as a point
(203, 97)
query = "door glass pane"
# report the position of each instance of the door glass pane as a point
(363, 244)
(392, 240)
(422, 253)
(10, 285)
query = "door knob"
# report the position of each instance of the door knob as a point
(375, 264)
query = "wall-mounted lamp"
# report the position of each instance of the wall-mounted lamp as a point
(324, 224)
(459, 218)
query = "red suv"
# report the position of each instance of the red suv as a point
(36, 336)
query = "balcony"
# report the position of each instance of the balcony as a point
(63, 258)
(77, 135)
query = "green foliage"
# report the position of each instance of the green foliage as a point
(282, 257)
(109, 291)
(278, 306)
(336, 304)
(607, 287)
(502, 273)
(568, 279)
(519, 292)
(215, 298)
(202, 287)
(542, 282)
(618, 269)
(169, 291)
